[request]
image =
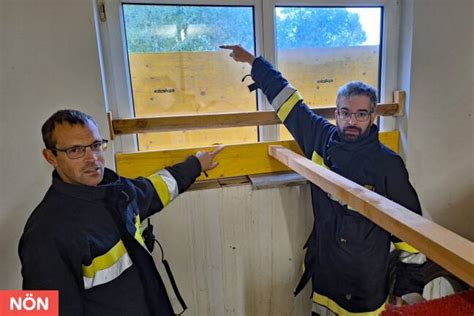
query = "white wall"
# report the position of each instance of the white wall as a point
(2, 104)
(438, 135)
(49, 62)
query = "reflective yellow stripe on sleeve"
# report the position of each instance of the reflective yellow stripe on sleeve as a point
(161, 188)
(165, 185)
(335, 308)
(286, 108)
(405, 247)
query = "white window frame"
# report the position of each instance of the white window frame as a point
(391, 26)
(114, 60)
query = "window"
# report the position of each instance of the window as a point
(319, 49)
(162, 58)
(176, 67)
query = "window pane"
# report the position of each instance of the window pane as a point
(320, 49)
(176, 67)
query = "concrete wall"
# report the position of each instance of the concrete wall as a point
(437, 70)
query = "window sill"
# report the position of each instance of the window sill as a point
(258, 182)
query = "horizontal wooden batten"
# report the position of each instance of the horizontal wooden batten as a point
(202, 121)
(446, 248)
(234, 160)
(223, 120)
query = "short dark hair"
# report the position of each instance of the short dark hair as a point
(356, 88)
(72, 117)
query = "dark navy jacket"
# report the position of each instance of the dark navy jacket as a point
(86, 242)
(347, 257)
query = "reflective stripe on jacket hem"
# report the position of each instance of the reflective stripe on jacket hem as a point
(106, 267)
(325, 302)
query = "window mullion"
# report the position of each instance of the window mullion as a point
(270, 132)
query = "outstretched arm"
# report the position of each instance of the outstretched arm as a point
(171, 181)
(309, 130)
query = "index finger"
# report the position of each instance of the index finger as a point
(217, 150)
(228, 46)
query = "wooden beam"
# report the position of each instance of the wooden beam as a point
(446, 248)
(399, 97)
(234, 160)
(219, 120)
(110, 125)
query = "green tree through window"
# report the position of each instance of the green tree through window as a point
(318, 27)
(162, 28)
(170, 28)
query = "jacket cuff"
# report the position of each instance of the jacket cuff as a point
(186, 172)
(195, 165)
(267, 78)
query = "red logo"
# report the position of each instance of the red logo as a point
(29, 303)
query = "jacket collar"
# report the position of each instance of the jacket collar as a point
(90, 193)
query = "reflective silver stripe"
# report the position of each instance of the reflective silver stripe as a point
(412, 258)
(170, 183)
(284, 94)
(412, 298)
(108, 274)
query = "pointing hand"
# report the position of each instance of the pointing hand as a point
(239, 53)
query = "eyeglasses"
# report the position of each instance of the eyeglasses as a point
(360, 116)
(76, 152)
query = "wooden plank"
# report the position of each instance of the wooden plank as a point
(399, 97)
(446, 248)
(234, 160)
(109, 124)
(219, 120)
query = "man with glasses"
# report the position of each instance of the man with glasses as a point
(348, 255)
(84, 238)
